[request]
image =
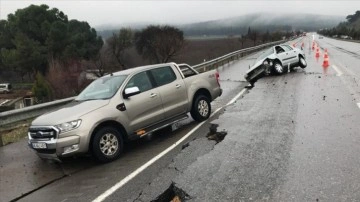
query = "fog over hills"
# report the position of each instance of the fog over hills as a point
(239, 25)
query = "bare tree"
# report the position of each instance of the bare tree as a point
(119, 43)
(159, 44)
(254, 36)
(242, 39)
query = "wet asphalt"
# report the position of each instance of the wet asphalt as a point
(293, 137)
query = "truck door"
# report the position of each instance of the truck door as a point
(291, 54)
(283, 55)
(145, 108)
(172, 90)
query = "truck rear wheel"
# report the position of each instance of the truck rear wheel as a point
(302, 62)
(201, 108)
(107, 144)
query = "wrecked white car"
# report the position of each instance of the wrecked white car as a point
(276, 60)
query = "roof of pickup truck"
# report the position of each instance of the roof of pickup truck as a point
(137, 69)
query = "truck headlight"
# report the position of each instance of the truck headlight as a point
(71, 125)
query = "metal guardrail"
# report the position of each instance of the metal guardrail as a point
(18, 115)
(214, 63)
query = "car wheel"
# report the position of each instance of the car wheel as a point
(279, 69)
(302, 62)
(107, 144)
(201, 108)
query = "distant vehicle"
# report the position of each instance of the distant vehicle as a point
(5, 88)
(321, 37)
(276, 60)
(124, 106)
(345, 37)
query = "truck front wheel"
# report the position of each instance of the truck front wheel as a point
(107, 144)
(201, 108)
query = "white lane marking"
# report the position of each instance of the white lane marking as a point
(121, 183)
(237, 96)
(358, 104)
(338, 71)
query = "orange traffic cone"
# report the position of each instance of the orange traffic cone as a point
(317, 53)
(326, 54)
(326, 61)
(294, 45)
(302, 45)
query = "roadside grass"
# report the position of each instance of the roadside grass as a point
(14, 135)
(14, 132)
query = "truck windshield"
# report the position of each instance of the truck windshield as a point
(102, 88)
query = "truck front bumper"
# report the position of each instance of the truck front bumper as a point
(55, 148)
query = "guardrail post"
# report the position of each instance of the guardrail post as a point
(1, 141)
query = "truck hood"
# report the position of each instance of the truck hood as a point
(256, 65)
(69, 112)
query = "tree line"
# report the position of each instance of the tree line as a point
(42, 45)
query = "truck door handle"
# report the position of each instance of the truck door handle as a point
(178, 86)
(153, 95)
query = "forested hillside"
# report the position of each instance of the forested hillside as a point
(349, 29)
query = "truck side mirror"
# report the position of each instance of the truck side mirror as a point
(131, 91)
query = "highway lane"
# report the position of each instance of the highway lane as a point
(344, 59)
(291, 138)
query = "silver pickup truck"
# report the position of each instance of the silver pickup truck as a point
(123, 106)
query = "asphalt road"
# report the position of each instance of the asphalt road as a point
(293, 137)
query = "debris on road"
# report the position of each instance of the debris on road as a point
(214, 135)
(173, 194)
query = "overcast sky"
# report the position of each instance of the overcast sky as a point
(117, 12)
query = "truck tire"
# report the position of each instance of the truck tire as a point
(279, 69)
(107, 144)
(201, 108)
(302, 62)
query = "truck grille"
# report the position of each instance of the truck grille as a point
(42, 132)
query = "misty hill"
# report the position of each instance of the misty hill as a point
(349, 29)
(259, 21)
(262, 22)
(354, 20)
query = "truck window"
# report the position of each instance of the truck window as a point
(186, 71)
(102, 88)
(287, 48)
(140, 80)
(163, 75)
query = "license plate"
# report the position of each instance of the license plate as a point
(39, 145)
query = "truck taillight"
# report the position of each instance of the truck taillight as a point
(217, 75)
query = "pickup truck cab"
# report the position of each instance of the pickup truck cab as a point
(123, 106)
